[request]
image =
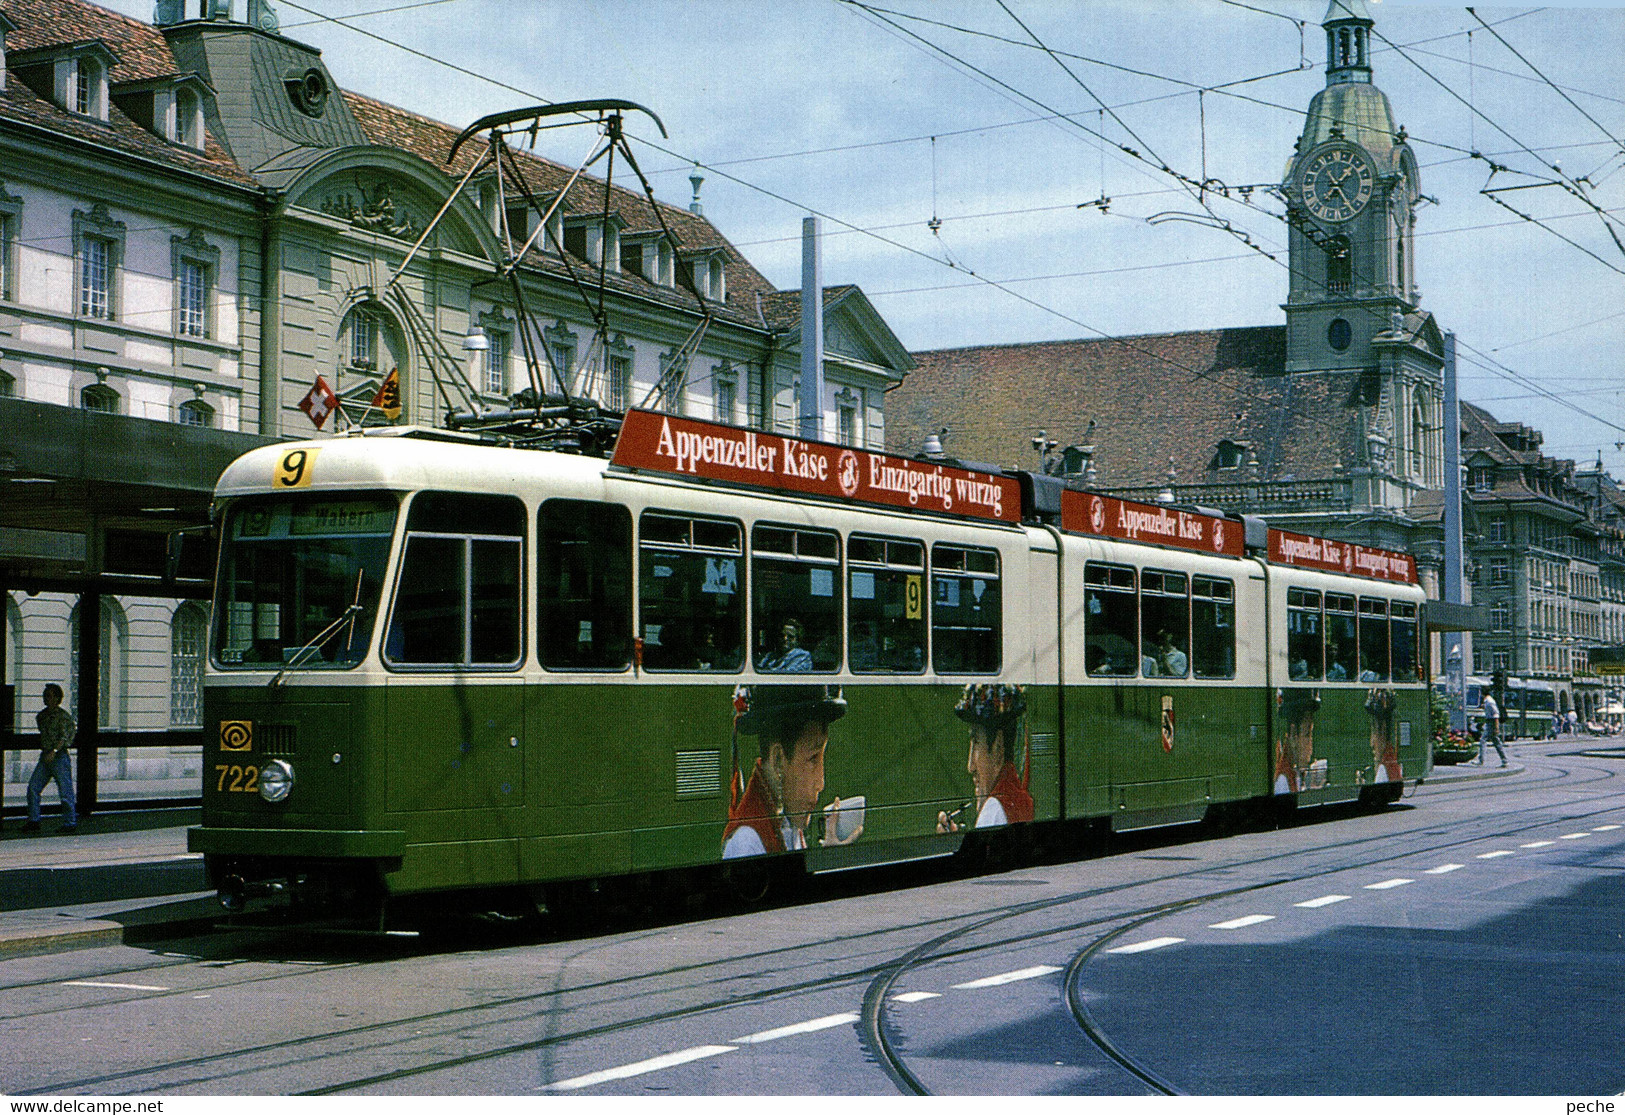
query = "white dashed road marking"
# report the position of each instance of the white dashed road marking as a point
(1605, 828)
(1147, 946)
(1445, 868)
(1388, 884)
(1243, 922)
(828, 1022)
(653, 1064)
(1538, 844)
(1007, 977)
(1575, 836)
(119, 986)
(1497, 854)
(1323, 900)
(915, 996)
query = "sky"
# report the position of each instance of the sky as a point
(1004, 123)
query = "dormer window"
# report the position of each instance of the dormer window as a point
(169, 107)
(594, 239)
(188, 119)
(6, 27)
(1230, 454)
(72, 76)
(707, 268)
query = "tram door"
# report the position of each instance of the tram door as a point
(456, 700)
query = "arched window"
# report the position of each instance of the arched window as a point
(1419, 430)
(369, 347)
(101, 398)
(115, 642)
(187, 635)
(195, 412)
(8, 384)
(1339, 265)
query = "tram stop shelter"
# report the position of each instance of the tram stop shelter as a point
(88, 501)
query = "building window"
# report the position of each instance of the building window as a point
(1500, 660)
(619, 389)
(363, 339)
(1500, 571)
(187, 635)
(846, 423)
(1500, 617)
(84, 87)
(632, 258)
(96, 277)
(1498, 529)
(195, 412)
(100, 398)
(193, 298)
(727, 400)
(496, 362)
(7, 235)
(8, 384)
(1482, 478)
(1339, 265)
(561, 349)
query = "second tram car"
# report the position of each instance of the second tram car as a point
(438, 663)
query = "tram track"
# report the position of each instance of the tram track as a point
(910, 1083)
(213, 1069)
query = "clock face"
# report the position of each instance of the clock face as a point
(1337, 183)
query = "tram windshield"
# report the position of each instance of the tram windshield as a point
(299, 581)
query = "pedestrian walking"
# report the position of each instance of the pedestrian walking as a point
(56, 729)
(1491, 732)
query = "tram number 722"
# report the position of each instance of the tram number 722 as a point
(243, 780)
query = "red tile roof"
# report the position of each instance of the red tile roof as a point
(1151, 398)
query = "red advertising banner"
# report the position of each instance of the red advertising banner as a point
(686, 447)
(1089, 513)
(1341, 557)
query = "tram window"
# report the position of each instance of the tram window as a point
(691, 602)
(584, 585)
(795, 605)
(1373, 639)
(458, 598)
(1111, 620)
(1303, 635)
(1342, 647)
(967, 610)
(885, 605)
(1164, 624)
(1213, 627)
(1402, 620)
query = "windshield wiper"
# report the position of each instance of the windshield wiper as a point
(345, 617)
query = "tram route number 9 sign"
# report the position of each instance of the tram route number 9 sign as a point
(686, 447)
(1308, 552)
(1092, 513)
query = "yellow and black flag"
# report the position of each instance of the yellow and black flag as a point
(388, 398)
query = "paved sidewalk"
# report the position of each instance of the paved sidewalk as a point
(124, 876)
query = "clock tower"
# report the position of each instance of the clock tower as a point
(1353, 311)
(1351, 190)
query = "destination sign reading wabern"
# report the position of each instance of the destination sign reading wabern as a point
(686, 447)
(1089, 513)
(1341, 557)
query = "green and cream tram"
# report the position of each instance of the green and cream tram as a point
(439, 663)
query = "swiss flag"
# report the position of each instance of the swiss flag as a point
(319, 403)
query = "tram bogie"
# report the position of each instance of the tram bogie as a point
(448, 667)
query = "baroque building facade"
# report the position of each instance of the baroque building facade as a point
(197, 221)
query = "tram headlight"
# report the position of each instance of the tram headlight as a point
(276, 780)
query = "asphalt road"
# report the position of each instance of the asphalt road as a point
(1467, 941)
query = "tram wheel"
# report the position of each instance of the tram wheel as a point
(748, 880)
